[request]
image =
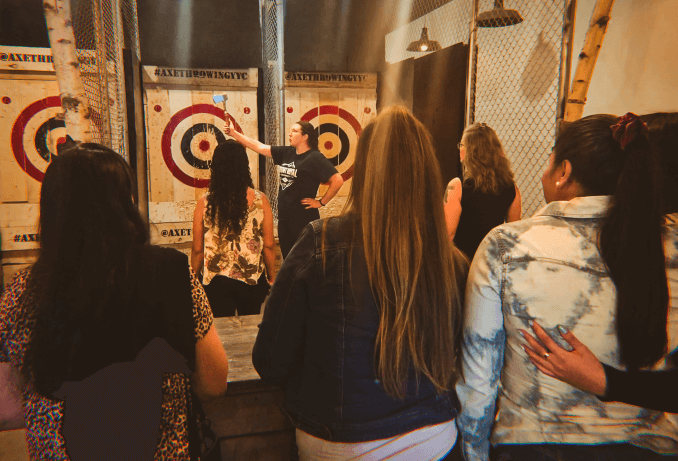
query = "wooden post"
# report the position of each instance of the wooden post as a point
(62, 40)
(587, 59)
(469, 111)
(565, 63)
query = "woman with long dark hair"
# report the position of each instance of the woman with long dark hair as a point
(488, 195)
(105, 328)
(361, 324)
(233, 236)
(579, 367)
(591, 262)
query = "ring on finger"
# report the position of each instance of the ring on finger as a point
(546, 355)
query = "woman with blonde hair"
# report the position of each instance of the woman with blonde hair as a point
(360, 327)
(488, 195)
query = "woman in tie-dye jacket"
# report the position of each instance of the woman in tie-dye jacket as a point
(592, 262)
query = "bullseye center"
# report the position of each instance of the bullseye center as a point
(61, 140)
(329, 145)
(204, 145)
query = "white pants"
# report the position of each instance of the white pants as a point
(429, 443)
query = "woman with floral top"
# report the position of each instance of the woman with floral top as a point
(233, 236)
(109, 333)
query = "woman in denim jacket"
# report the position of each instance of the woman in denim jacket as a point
(591, 262)
(360, 326)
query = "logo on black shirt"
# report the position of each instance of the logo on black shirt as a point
(288, 173)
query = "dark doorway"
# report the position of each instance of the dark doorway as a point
(438, 101)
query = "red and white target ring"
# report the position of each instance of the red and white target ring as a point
(23, 136)
(199, 146)
(338, 133)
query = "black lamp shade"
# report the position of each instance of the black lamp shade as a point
(424, 44)
(499, 16)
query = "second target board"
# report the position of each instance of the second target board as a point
(338, 106)
(184, 127)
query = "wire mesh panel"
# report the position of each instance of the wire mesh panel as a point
(130, 24)
(446, 21)
(273, 70)
(99, 27)
(515, 87)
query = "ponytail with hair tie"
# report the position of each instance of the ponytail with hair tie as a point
(626, 129)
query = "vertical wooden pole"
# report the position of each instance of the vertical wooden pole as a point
(62, 40)
(565, 60)
(469, 112)
(587, 59)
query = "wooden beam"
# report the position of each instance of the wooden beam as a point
(569, 18)
(587, 59)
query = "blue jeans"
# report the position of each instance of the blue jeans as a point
(562, 452)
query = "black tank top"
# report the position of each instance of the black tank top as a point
(480, 213)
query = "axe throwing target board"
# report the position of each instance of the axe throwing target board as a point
(30, 128)
(183, 126)
(338, 105)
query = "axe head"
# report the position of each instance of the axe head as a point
(220, 99)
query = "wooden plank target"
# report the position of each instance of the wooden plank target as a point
(184, 127)
(30, 129)
(338, 106)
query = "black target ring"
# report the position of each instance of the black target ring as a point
(186, 152)
(41, 137)
(334, 129)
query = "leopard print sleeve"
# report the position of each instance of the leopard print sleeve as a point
(10, 337)
(202, 313)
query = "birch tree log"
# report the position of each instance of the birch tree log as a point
(74, 102)
(587, 59)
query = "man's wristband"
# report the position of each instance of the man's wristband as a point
(321, 202)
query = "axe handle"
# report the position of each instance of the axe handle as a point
(223, 106)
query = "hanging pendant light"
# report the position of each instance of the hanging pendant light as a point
(424, 44)
(498, 16)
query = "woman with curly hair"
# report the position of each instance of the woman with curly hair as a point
(488, 196)
(233, 236)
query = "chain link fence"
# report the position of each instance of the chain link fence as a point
(446, 21)
(100, 27)
(515, 83)
(514, 73)
(274, 66)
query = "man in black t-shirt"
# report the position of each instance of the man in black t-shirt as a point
(302, 168)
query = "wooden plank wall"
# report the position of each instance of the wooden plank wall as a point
(23, 82)
(171, 200)
(248, 417)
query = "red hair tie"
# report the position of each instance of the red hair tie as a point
(626, 129)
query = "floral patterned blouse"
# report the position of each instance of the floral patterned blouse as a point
(239, 257)
(44, 417)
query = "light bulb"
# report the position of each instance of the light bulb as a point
(424, 47)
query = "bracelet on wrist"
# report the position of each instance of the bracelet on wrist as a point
(321, 202)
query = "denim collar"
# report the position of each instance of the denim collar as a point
(594, 206)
